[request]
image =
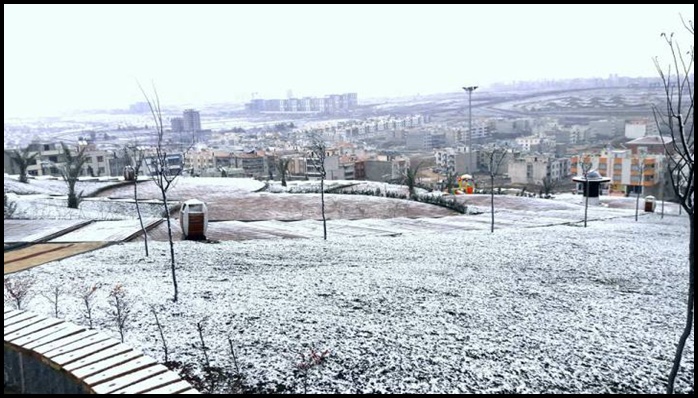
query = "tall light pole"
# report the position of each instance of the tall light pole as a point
(470, 90)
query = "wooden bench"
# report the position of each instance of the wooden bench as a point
(49, 356)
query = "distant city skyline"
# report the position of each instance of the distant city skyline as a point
(69, 57)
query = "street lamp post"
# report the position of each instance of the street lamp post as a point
(469, 90)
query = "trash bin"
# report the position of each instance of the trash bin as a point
(193, 218)
(129, 173)
(650, 204)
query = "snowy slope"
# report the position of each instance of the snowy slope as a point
(549, 310)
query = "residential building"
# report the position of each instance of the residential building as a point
(51, 161)
(606, 129)
(629, 172)
(455, 160)
(254, 163)
(653, 145)
(329, 104)
(535, 143)
(191, 120)
(533, 169)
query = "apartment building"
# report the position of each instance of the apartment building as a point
(533, 169)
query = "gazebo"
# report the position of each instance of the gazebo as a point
(592, 185)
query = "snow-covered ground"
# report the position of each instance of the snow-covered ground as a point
(550, 310)
(44, 207)
(43, 186)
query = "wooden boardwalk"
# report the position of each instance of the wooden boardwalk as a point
(33, 231)
(107, 231)
(65, 239)
(34, 255)
(92, 361)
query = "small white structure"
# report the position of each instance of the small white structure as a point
(193, 218)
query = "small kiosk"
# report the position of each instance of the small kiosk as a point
(591, 185)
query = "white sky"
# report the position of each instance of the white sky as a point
(89, 56)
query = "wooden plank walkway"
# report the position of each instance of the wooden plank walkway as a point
(101, 364)
(107, 231)
(33, 231)
(34, 255)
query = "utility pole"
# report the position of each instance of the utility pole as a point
(469, 90)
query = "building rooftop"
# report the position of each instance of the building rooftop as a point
(651, 140)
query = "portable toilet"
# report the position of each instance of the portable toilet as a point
(650, 204)
(129, 173)
(193, 218)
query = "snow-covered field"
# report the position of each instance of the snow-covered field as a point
(555, 309)
(54, 186)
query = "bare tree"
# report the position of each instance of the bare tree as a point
(166, 350)
(121, 309)
(71, 171)
(204, 349)
(87, 296)
(136, 156)
(318, 153)
(282, 166)
(674, 120)
(307, 363)
(163, 175)
(23, 159)
(54, 298)
(549, 184)
(19, 290)
(495, 157)
(586, 165)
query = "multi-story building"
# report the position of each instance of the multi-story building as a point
(384, 169)
(532, 169)
(50, 160)
(606, 129)
(254, 163)
(653, 145)
(191, 120)
(455, 160)
(208, 159)
(640, 128)
(329, 104)
(534, 143)
(629, 172)
(177, 124)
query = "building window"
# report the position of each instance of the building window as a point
(100, 159)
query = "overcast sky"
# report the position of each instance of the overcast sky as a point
(70, 57)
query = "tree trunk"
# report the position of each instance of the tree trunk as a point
(23, 174)
(73, 202)
(586, 202)
(140, 217)
(492, 204)
(172, 252)
(322, 200)
(637, 205)
(283, 179)
(689, 319)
